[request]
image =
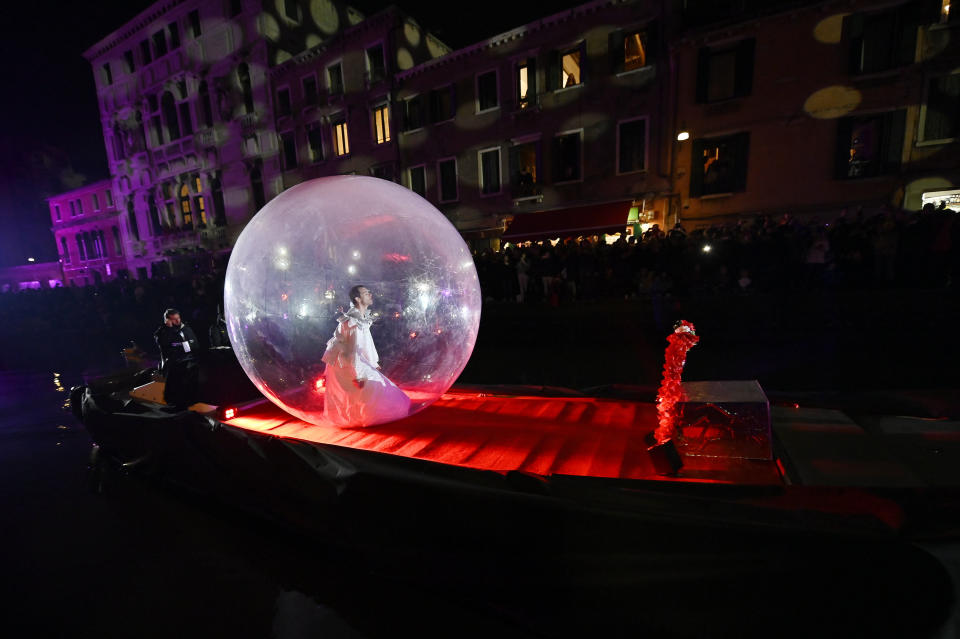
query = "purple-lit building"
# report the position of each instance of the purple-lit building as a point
(187, 116)
(335, 104)
(86, 226)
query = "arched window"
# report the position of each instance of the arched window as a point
(132, 219)
(169, 109)
(219, 212)
(205, 108)
(81, 251)
(185, 206)
(201, 205)
(64, 250)
(117, 244)
(155, 218)
(243, 74)
(256, 181)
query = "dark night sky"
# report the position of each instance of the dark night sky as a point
(50, 122)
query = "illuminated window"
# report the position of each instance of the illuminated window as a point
(418, 180)
(632, 145)
(526, 83)
(634, 50)
(194, 18)
(442, 104)
(335, 79)
(413, 113)
(724, 73)
(159, 43)
(310, 93)
(96, 202)
(487, 94)
(283, 102)
(570, 68)
(174, 31)
(128, 61)
(447, 173)
(376, 69)
(145, 51)
(341, 141)
(524, 169)
(185, 210)
(869, 145)
(202, 211)
(107, 75)
(940, 113)
(489, 160)
(567, 157)
(315, 141)
(381, 124)
(198, 185)
(719, 165)
(288, 146)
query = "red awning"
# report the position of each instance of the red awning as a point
(592, 219)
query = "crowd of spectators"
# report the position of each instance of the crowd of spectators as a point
(854, 251)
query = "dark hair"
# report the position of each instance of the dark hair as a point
(167, 314)
(355, 292)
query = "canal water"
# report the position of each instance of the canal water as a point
(146, 560)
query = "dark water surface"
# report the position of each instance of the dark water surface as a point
(146, 560)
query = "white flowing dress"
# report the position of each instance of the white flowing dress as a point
(351, 355)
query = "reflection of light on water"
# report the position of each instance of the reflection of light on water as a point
(57, 384)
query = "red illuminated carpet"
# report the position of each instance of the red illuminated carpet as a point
(578, 436)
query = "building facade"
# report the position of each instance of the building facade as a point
(187, 115)
(553, 128)
(809, 108)
(608, 117)
(86, 225)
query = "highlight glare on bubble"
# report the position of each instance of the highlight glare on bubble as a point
(293, 265)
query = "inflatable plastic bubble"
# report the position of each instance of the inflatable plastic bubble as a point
(287, 296)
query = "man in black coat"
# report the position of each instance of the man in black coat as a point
(178, 361)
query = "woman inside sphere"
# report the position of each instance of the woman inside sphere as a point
(358, 394)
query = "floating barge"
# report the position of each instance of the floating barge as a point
(488, 461)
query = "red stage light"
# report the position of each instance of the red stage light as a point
(230, 413)
(320, 383)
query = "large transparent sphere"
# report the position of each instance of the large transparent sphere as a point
(292, 269)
